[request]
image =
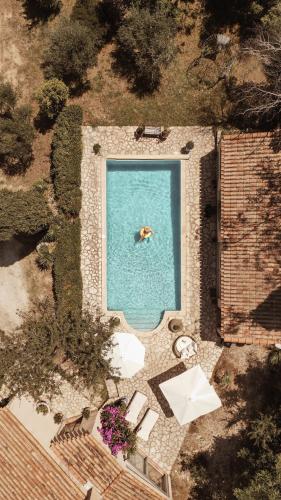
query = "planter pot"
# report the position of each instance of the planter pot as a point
(175, 325)
(42, 407)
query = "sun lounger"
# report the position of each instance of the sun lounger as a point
(147, 424)
(135, 406)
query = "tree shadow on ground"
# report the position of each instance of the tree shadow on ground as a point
(124, 67)
(208, 247)
(16, 249)
(37, 14)
(154, 385)
(42, 123)
(237, 14)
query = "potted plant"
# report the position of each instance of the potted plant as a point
(96, 148)
(164, 134)
(139, 132)
(116, 321)
(86, 412)
(58, 417)
(187, 148)
(42, 407)
(115, 430)
(175, 325)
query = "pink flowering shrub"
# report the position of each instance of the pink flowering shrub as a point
(116, 432)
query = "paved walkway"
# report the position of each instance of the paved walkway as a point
(198, 314)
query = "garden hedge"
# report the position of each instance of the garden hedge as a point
(23, 213)
(67, 274)
(66, 160)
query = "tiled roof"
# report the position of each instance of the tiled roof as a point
(27, 471)
(250, 238)
(87, 460)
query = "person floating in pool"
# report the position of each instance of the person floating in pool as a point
(145, 233)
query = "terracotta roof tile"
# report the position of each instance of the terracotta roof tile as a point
(251, 237)
(87, 460)
(27, 471)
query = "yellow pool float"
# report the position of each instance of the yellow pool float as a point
(145, 232)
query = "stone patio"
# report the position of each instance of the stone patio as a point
(199, 312)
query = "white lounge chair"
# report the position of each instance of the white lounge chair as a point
(147, 424)
(135, 406)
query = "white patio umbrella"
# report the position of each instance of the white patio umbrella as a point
(126, 354)
(190, 395)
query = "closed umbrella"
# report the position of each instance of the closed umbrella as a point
(190, 395)
(126, 354)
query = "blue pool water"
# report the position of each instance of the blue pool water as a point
(143, 278)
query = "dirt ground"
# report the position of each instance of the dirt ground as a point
(216, 434)
(20, 281)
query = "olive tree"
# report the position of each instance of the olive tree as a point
(146, 44)
(32, 357)
(16, 137)
(70, 53)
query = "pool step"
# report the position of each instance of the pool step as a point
(143, 320)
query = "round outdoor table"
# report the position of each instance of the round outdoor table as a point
(185, 347)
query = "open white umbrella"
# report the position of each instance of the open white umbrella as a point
(190, 395)
(126, 354)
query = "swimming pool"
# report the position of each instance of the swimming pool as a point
(143, 277)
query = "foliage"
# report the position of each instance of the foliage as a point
(58, 417)
(44, 258)
(52, 97)
(271, 21)
(86, 412)
(41, 10)
(87, 13)
(146, 44)
(66, 160)
(256, 449)
(22, 213)
(16, 136)
(8, 99)
(28, 356)
(96, 148)
(245, 13)
(70, 53)
(116, 431)
(67, 274)
(261, 102)
(42, 407)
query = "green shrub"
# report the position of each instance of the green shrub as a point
(146, 44)
(66, 160)
(52, 97)
(58, 417)
(272, 20)
(87, 13)
(70, 53)
(45, 257)
(67, 275)
(22, 213)
(8, 98)
(41, 10)
(16, 136)
(96, 148)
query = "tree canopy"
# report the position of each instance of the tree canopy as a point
(70, 53)
(146, 44)
(22, 213)
(31, 357)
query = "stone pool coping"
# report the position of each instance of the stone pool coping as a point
(184, 231)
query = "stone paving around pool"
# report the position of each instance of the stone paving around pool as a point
(199, 313)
